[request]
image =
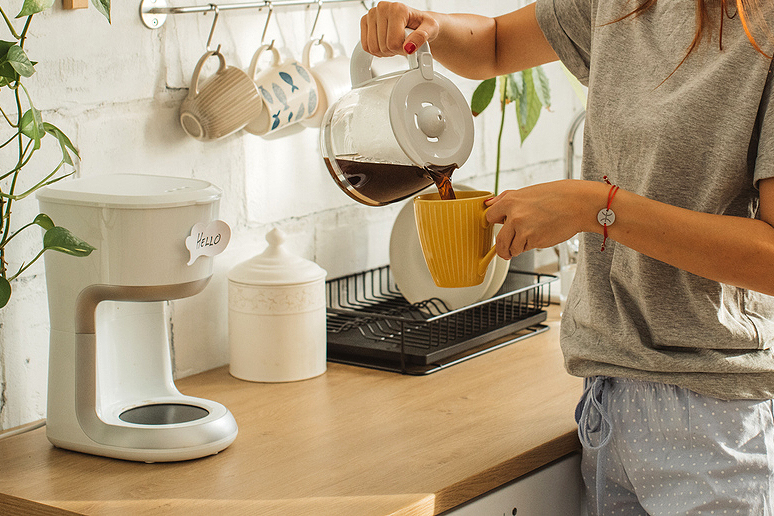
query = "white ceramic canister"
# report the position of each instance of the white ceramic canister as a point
(276, 320)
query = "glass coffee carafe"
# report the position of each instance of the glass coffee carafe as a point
(388, 137)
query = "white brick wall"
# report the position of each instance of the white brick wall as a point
(115, 90)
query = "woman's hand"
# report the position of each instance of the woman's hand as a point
(470, 45)
(737, 251)
(544, 215)
(383, 29)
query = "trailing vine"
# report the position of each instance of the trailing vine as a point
(25, 132)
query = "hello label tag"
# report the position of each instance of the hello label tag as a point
(207, 240)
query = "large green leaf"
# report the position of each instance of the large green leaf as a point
(44, 221)
(19, 61)
(64, 142)
(529, 106)
(5, 291)
(5, 46)
(103, 6)
(32, 126)
(34, 6)
(60, 239)
(542, 87)
(528, 89)
(511, 86)
(482, 96)
(8, 74)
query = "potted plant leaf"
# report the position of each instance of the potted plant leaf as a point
(527, 90)
(25, 133)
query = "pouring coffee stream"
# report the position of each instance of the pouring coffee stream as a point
(442, 178)
(393, 135)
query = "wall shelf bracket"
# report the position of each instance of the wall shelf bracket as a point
(152, 20)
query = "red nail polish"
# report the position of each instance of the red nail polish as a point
(489, 199)
(410, 48)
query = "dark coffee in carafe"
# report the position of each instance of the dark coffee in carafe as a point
(384, 183)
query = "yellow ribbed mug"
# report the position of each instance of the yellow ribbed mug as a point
(455, 236)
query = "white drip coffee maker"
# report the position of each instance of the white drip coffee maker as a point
(110, 386)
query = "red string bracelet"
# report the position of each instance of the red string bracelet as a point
(606, 217)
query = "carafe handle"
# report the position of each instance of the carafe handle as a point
(360, 66)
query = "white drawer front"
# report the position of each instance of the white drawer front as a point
(555, 490)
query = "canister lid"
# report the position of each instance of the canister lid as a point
(131, 191)
(276, 266)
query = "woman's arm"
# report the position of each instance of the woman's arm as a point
(472, 46)
(733, 250)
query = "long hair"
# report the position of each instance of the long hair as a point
(750, 15)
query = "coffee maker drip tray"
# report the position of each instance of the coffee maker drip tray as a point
(370, 324)
(163, 414)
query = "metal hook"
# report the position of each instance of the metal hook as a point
(212, 29)
(268, 18)
(316, 17)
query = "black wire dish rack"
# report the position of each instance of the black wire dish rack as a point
(370, 324)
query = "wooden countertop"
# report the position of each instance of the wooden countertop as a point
(353, 441)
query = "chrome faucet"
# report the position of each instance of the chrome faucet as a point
(568, 250)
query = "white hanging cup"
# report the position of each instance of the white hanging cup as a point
(331, 75)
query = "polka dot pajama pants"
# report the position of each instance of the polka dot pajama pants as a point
(657, 449)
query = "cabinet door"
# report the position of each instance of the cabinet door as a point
(554, 490)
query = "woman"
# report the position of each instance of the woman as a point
(669, 318)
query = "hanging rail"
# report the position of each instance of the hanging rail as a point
(154, 12)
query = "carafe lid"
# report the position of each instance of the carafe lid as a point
(430, 117)
(276, 266)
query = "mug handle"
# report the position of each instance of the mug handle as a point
(361, 72)
(483, 263)
(194, 91)
(305, 58)
(254, 62)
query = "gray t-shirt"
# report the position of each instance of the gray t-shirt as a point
(685, 142)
